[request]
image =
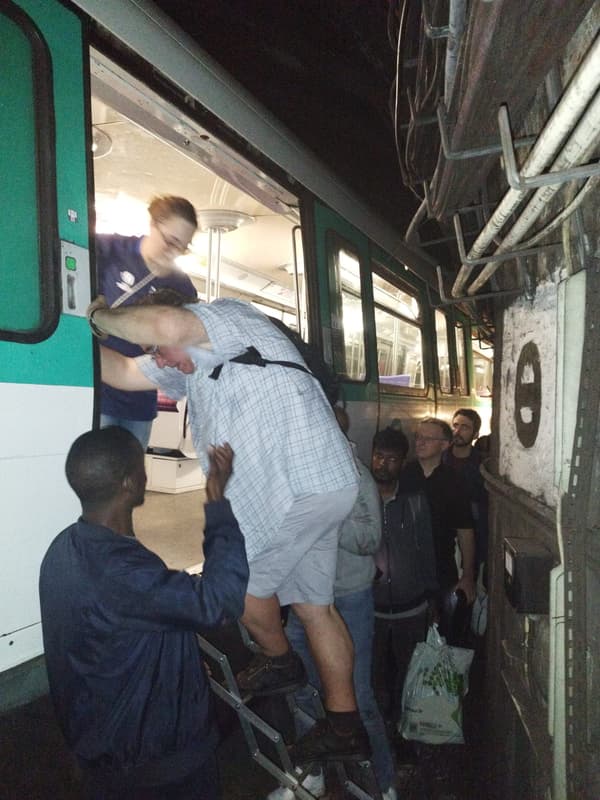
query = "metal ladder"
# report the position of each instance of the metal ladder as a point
(359, 780)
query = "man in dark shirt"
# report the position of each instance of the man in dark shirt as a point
(466, 460)
(406, 573)
(126, 676)
(451, 517)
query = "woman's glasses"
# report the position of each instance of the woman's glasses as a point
(172, 243)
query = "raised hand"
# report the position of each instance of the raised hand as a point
(221, 466)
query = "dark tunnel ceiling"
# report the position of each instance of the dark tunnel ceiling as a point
(325, 68)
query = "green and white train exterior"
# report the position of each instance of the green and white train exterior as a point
(361, 281)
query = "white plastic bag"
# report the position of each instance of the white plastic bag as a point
(436, 682)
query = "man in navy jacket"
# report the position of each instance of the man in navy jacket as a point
(125, 672)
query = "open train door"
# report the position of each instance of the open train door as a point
(46, 355)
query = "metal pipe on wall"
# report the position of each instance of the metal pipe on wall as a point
(456, 27)
(411, 234)
(579, 147)
(576, 97)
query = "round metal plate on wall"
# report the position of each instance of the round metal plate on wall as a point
(528, 394)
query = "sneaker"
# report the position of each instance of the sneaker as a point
(322, 743)
(315, 784)
(263, 676)
(390, 794)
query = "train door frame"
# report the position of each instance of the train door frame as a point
(46, 364)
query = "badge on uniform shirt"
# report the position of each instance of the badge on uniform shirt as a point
(127, 280)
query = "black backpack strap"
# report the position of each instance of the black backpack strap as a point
(252, 357)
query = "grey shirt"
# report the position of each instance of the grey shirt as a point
(360, 536)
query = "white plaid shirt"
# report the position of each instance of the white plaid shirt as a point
(286, 440)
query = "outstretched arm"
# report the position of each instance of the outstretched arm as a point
(153, 597)
(148, 325)
(122, 372)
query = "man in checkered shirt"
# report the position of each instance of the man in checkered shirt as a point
(293, 485)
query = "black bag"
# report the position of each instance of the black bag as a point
(317, 366)
(315, 362)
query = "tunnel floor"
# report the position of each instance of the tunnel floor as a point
(36, 765)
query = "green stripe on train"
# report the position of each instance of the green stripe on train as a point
(65, 359)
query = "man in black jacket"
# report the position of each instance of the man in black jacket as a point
(406, 573)
(125, 672)
(465, 459)
(449, 506)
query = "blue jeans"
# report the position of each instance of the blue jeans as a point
(357, 612)
(140, 428)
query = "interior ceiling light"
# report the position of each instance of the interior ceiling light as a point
(101, 142)
(222, 220)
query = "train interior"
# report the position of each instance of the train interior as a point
(248, 245)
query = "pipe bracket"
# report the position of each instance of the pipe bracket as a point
(456, 155)
(507, 256)
(518, 181)
(431, 31)
(452, 301)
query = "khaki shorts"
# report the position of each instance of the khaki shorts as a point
(299, 564)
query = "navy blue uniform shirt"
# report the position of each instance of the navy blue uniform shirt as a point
(125, 671)
(120, 267)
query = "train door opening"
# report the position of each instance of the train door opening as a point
(248, 246)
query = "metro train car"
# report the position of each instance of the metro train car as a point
(99, 123)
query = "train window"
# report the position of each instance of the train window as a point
(399, 335)
(346, 310)
(483, 369)
(443, 354)
(462, 383)
(28, 268)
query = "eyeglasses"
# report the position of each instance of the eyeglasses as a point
(172, 244)
(420, 438)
